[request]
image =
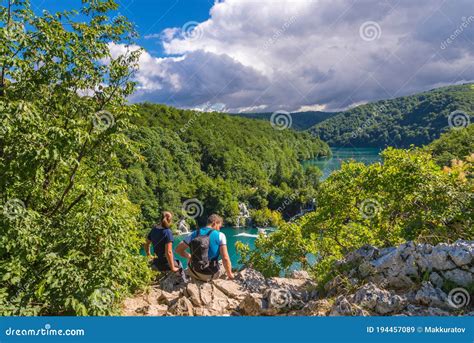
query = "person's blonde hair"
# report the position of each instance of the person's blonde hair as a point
(166, 219)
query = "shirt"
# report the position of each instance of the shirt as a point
(159, 237)
(216, 240)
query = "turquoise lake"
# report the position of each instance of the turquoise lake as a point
(244, 234)
(327, 165)
(339, 155)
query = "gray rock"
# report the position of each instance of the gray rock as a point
(230, 288)
(251, 280)
(460, 256)
(412, 310)
(439, 258)
(206, 291)
(366, 269)
(381, 301)
(172, 282)
(194, 294)
(279, 299)
(252, 305)
(428, 295)
(343, 307)
(168, 298)
(300, 274)
(459, 277)
(366, 253)
(436, 279)
(386, 261)
(157, 310)
(182, 307)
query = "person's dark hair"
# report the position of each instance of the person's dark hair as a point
(215, 219)
(166, 218)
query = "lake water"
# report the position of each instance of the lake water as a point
(339, 155)
(328, 165)
(244, 234)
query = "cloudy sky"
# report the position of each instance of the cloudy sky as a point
(267, 55)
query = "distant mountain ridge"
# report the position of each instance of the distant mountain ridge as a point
(416, 119)
(300, 120)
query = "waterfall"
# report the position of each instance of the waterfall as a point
(183, 227)
(244, 215)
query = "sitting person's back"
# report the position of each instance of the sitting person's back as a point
(207, 246)
(162, 239)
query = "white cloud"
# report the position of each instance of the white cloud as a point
(297, 55)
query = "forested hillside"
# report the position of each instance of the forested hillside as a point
(300, 120)
(416, 119)
(220, 160)
(455, 144)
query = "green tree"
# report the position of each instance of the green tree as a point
(68, 233)
(407, 197)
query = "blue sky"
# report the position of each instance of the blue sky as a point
(295, 55)
(150, 16)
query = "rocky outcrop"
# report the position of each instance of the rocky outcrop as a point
(411, 279)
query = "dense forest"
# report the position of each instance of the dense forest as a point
(221, 161)
(299, 120)
(400, 122)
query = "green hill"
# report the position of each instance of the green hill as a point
(300, 120)
(220, 160)
(417, 119)
(455, 144)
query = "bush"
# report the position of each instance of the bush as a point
(408, 197)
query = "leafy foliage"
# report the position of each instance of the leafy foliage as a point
(455, 144)
(219, 159)
(400, 122)
(68, 233)
(408, 197)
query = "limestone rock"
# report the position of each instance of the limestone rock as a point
(412, 310)
(315, 308)
(168, 298)
(206, 294)
(157, 310)
(460, 256)
(230, 288)
(439, 258)
(251, 280)
(182, 307)
(429, 295)
(172, 282)
(252, 305)
(366, 253)
(459, 277)
(343, 307)
(436, 279)
(192, 290)
(381, 301)
(219, 302)
(300, 274)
